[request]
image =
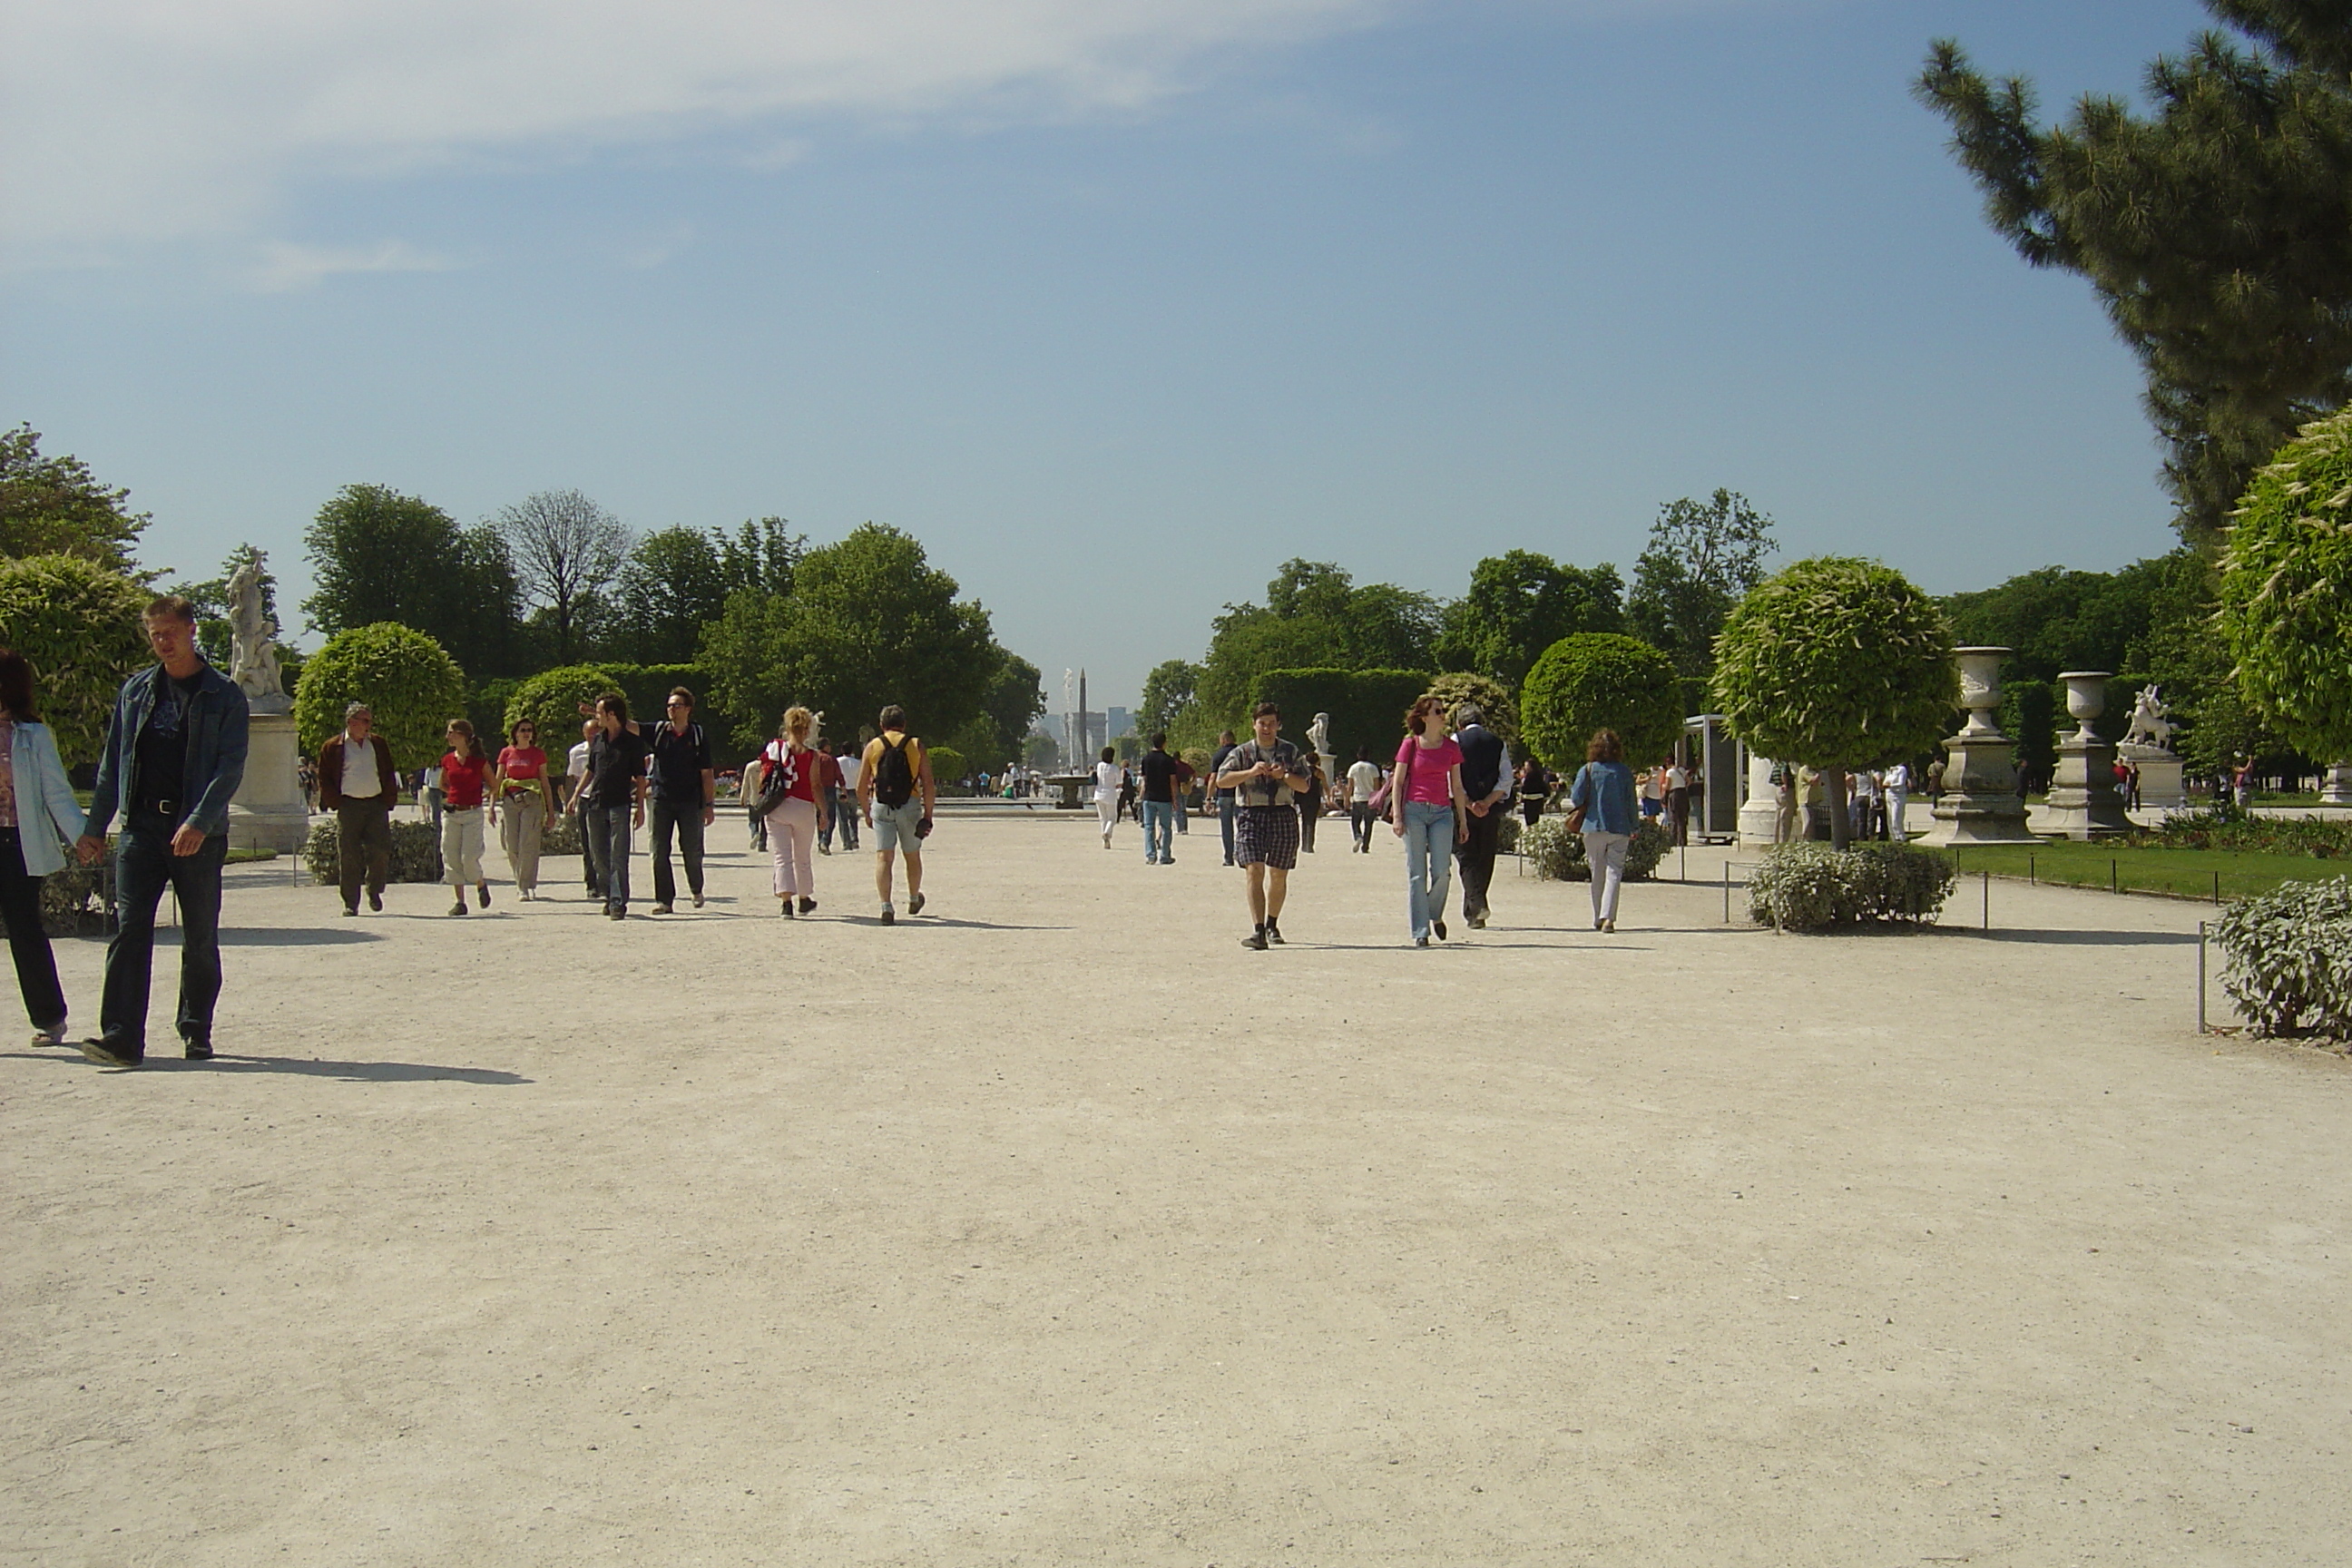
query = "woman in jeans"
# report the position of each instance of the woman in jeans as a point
(39, 819)
(1600, 806)
(1430, 813)
(523, 801)
(792, 825)
(465, 771)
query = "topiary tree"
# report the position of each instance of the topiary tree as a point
(947, 764)
(1836, 663)
(552, 700)
(1367, 706)
(2285, 594)
(1493, 699)
(408, 680)
(1600, 680)
(78, 623)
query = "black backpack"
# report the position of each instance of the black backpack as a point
(894, 776)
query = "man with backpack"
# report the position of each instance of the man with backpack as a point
(895, 796)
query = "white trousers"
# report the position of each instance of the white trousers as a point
(1605, 853)
(461, 846)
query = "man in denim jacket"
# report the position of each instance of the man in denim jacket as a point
(175, 754)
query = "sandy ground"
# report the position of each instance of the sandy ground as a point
(1053, 1227)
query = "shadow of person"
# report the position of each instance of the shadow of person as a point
(350, 1072)
(293, 936)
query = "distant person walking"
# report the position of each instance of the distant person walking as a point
(1263, 776)
(615, 799)
(1225, 797)
(1535, 786)
(1160, 803)
(522, 801)
(801, 811)
(576, 775)
(1364, 782)
(685, 797)
(1898, 803)
(358, 783)
(895, 795)
(1428, 810)
(1678, 795)
(175, 754)
(1487, 786)
(848, 765)
(1108, 778)
(38, 821)
(464, 790)
(1784, 803)
(1600, 807)
(1310, 801)
(1183, 796)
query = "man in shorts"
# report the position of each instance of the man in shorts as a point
(895, 796)
(1265, 774)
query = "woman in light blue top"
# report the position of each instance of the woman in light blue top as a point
(1602, 808)
(39, 819)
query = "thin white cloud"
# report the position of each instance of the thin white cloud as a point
(159, 120)
(286, 267)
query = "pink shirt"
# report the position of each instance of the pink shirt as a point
(1424, 769)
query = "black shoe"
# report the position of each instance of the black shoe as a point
(459, 907)
(889, 917)
(661, 908)
(375, 903)
(914, 903)
(1478, 921)
(617, 913)
(199, 1051)
(106, 1055)
(1274, 934)
(1421, 941)
(1256, 939)
(482, 893)
(784, 906)
(350, 910)
(807, 904)
(1439, 927)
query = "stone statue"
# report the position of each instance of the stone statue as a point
(1319, 735)
(253, 660)
(2151, 722)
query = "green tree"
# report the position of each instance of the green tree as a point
(1519, 604)
(551, 700)
(1315, 616)
(377, 555)
(2217, 230)
(762, 555)
(2285, 591)
(1600, 680)
(1701, 559)
(2057, 619)
(869, 622)
(1837, 663)
(566, 550)
(1492, 697)
(77, 621)
(1168, 691)
(1367, 706)
(673, 584)
(55, 506)
(408, 681)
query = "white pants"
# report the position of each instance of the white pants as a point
(461, 846)
(792, 834)
(1898, 801)
(1107, 807)
(1605, 853)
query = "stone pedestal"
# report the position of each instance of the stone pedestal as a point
(2082, 802)
(1759, 814)
(2337, 788)
(1979, 803)
(2161, 787)
(267, 811)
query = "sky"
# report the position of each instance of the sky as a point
(1115, 304)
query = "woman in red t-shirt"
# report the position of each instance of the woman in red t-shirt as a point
(792, 824)
(1430, 813)
(521, 801)
(465, 786)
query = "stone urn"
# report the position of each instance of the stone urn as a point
(2082, 802)
(1979, 803)
(2086, 698)
(1981, 690)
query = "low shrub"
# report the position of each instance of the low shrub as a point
(2226, 827)
(1551, 850)
(1812, 886)
(415, 852)
(69, 901)
(2287, 959)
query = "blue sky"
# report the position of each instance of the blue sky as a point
(1116, 305)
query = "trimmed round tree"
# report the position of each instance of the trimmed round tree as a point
(2285, 592)
(551, 699)
(407, 679)
(1836, 663)
(77, 624)
(1494, 700)
(1600, 680)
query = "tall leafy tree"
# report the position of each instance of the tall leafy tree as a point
(378, 555)
(1314, 617)
(1519, 604)
(673, 584)
(55, 506)
(2286, 595)
(1168, 691)
(1701, 559)
(2217, 229)
(566, 551)
(761, 555)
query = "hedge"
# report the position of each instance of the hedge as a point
(1367, 706)
(2287, 959)
(78, 624)
(408, 681)
(1813, 887)
(416, 848)
(1551, 850)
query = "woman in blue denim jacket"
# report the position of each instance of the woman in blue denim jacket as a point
(39, 819)
(1601, 802)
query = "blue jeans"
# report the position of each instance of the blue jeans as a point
(1428, 862)
(1158, 824)
(607, 831)
(144, 867)
(1225, 809)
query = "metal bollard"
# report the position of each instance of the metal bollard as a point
(2201, 977)
(1985, 877)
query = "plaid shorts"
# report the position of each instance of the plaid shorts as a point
(1267, 834)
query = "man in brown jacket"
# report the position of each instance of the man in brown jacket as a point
(357, 783)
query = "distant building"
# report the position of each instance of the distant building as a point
(1121, 722)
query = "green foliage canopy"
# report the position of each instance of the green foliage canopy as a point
(2285, 591)
(377, 555)
(551, 700)
(76, 622)
(1701, 559)
(1315, 617)
(55, 506)
(1600, 680)
(406, 678)
(1367, 706)
(1493, 698)
(1519, 604)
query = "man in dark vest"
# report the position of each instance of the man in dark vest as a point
(1487, 781)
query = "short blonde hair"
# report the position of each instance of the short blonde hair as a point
(798, 721)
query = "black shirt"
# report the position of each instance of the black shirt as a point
(163, 747)
(678, 763)
(1159, 776)
(614, 764)
(1217, 765)
(1482, 760)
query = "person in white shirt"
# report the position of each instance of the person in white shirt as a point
(845, 814)
(1364, 782)
(575, 775)
(1108, 777)
(1898, 801)
(1677, 793)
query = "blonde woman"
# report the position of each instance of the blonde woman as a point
(793, 824)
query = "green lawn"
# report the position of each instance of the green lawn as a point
(2182, 873)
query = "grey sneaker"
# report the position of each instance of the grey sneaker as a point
(914, 903)
(889, 916)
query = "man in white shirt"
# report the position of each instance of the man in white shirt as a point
(575, 776)
(844, 801)
(1898, 801)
